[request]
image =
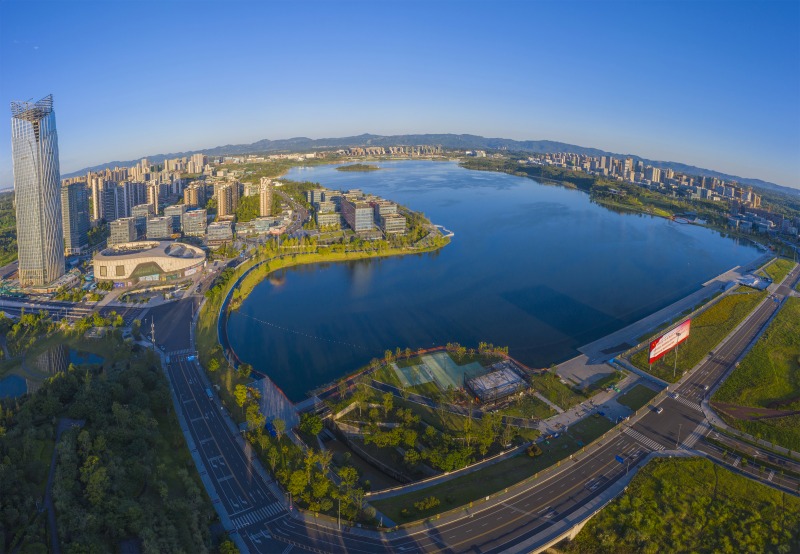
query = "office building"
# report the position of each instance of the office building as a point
(225, 207)
(176, 214)
(159, 228)
(194, 223)
(358, 215)
(75, 217)
(141, 214)
(392, 224)
(219, 233)
(122, 230)
(37, 190)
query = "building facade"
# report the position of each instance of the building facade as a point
(75, 217)
(358, 215)
(122, 230)
(159, 228)
(265, 198)
(194, 223)
(175, 213)
(37, 184)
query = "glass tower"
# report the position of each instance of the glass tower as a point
(37, 194)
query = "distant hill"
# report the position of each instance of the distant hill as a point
(448, 141)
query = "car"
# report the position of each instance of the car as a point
(659, 410)
(675, 395)
(705, 387)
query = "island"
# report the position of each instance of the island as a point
(358, 167)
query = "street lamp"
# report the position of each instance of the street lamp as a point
(677, 343)
(678, 440)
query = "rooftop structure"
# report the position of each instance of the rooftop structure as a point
(128, 263)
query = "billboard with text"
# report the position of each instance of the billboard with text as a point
(669, 340)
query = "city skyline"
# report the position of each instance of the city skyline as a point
(515, 70)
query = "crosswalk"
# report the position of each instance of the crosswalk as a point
(691, 404)
(736, 462)
(699, 432)
(650, 443)
(771, 475)
(257, 516)
(183, 352)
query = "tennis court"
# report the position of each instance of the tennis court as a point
(441, 369)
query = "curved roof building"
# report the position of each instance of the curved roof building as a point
(130, 262)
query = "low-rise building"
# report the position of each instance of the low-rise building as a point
(127, 264)
(175, 213)
(159, 228)
(358, 215)
(219, 232)
(122, 230)
(194, 223)
(392, 224)
(325, 219)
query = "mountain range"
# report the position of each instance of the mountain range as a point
(447, 141)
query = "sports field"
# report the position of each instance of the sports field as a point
(439, 368)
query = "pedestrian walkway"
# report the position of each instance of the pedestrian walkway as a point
(649, 443)
(699, 432)
(257, 516)
(689, 403)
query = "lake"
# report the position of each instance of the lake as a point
(538, 268)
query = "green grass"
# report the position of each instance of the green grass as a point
(637, 397)
(779, 269)
(386, 374)
(469, 488)
(408, 362)
(550, 386)
(529, 407)
(429, 389)
(604, 383)
(770, 373)
(693, 505)
(708, 329)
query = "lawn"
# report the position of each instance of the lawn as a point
(463, 490)
(386, 374)
(769, 377)
(693, 505)
(529, 407)
(550, 386)
(637, 397)
(708, 329)
(779, 269)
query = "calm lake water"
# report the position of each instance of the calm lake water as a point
(538, 268)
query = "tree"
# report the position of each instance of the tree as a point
(228, 547)
(388, 402)
(240, 395)
(255, 419)
(280, 426)
(311, 424)
(325, 457)
(244, 370)
(213, 365)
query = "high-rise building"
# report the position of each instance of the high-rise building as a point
(225, 201)
(265, 198)
(358, 215)
(194, 223)
(75, 217)
(96, 184)
(159, 228)
(37, 184)
(141, 214)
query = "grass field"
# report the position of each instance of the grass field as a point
(708, 329)
(779, 269)
(529, 407)
(550, 386)
(770, 374)
(693, 505)
(469, 488)
(637, 397)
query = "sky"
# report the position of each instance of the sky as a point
(713, 84)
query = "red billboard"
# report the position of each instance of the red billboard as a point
(669, 340)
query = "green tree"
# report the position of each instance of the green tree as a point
(228, 547)
(240, 395)
(388, 403)
(311, 424)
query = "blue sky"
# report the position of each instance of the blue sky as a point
(713, 84)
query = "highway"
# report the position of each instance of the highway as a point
(253, 508)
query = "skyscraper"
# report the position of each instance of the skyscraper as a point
(37, 190)
(75, 215)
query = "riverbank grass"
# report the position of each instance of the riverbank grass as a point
(769, 377)
(692, 505)
(708, 329)
(779, 269)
